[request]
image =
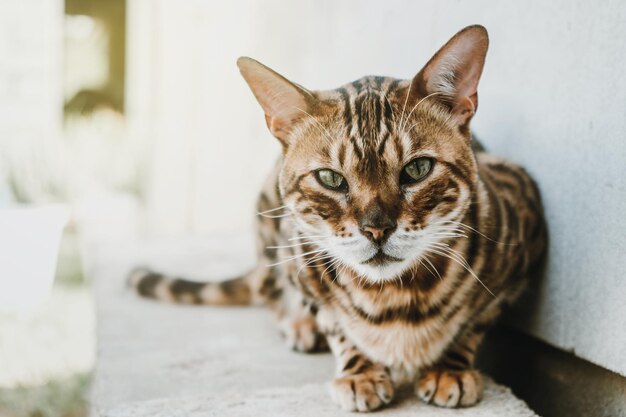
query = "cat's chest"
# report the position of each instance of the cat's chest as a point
(400, 344)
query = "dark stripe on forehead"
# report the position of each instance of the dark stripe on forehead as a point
(368, 112)
(358, 85)
(381, 147)
(389, 115)
(347, 111)
(378, 81)
(358, 114)
(393, 86)
(377, 115)
(357, 150)
(341, 153)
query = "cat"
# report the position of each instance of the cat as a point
(386, 233)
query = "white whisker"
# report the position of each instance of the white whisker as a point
(461, 261)
(433, 266)
(291, 258)
(416, 106)
(295, 245)
(406, 99)
(323, 129)
(306, 237)
(481, 234)
(276, 216)
(271, 210)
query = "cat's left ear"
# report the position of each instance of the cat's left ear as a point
(452, 74)
(284, 102)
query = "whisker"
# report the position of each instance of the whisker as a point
(323, 129)
(462, 262)
(415, 107)
(309, 262)
(306, 237)
(332, 264)
(277, 216)
(295, 245)
(433, 266)
(292, 258)
(271, 210)
(479, 233)
(406, 99)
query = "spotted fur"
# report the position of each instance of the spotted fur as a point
(400, 281)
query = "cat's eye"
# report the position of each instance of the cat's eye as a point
(330, 179)
(416, 170)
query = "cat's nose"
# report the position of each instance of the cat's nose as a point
(379, 233)
(376, 223)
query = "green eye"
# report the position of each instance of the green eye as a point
(330, 179)
(416, 170)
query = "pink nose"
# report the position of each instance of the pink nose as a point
(376, 234)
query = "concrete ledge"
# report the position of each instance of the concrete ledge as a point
(156, 359)
(310, 401)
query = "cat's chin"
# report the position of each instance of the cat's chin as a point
(381, 272)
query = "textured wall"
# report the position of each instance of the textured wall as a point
(553, 97)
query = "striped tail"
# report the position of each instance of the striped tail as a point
(155, 285)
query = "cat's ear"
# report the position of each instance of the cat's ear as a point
(452, 74)
(283, 102)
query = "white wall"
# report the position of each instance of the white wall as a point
(552, 97)
(31, 99)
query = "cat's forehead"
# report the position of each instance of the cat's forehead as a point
(367, 87)
(373, 83)
(364, 107)
(373, 108)
(366, 126)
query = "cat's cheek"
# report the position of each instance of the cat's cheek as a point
(310, 225)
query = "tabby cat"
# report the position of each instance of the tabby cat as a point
(386, 233)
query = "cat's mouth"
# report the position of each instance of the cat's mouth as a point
(380, 259)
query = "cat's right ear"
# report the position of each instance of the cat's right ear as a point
(283, 102)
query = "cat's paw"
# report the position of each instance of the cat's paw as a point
(365, 391)
(302, 335)
(450, 388)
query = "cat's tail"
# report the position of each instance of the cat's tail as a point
(159, 286)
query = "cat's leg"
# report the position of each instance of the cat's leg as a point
(453, 382)
(360, 384)
(297, 324)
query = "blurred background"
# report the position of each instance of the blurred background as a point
(128, 119)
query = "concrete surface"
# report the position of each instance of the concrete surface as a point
(156, 359)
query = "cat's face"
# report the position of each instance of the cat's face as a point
(373, 187)
(377, 172)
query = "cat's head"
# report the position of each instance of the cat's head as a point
(376, 172)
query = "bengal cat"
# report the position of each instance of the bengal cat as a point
(385, 232)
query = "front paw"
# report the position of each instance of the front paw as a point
(447, 388)
(302, 335)
(365, 391)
